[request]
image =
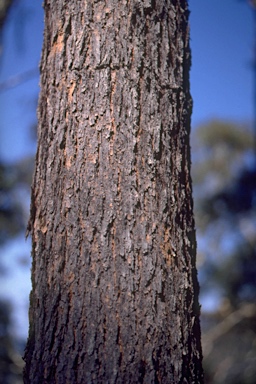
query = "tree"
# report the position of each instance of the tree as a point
(224, 190)
(115, 291)
(224, 185)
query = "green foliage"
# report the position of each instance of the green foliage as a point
(233, 136)
(219, 153)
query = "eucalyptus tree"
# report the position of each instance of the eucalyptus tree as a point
(115, 291)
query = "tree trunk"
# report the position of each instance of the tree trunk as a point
(115, 291)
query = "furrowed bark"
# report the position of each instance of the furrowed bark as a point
(115, 291)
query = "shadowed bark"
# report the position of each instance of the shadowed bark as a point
(115, 292)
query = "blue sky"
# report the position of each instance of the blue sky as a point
(22, 46)
(222, 55)
(221, 86)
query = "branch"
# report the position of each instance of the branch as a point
(16, 80)
(246, 311)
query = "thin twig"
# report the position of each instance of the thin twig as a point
(223, 327)
(16, 80)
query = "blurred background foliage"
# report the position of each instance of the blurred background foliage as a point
(224, 184)
(15, 181)
(224, 181)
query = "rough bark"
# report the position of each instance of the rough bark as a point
(115, 291)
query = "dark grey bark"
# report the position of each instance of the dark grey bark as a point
(115, 291)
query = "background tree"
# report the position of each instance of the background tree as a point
(115, 292)
(11, 363)
(225, 187)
